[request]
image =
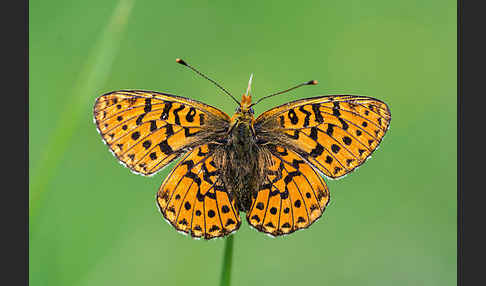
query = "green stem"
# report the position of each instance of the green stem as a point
(227, 260)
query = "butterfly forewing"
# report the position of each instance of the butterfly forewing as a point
(334, 133)
(147, 130)
(194, 199)
(292, 197)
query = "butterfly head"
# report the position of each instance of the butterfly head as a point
(244, 110)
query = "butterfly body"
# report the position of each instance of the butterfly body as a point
(239, 162)
(269, 167)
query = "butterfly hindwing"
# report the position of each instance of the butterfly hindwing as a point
(146, 130)
(194, 199)
(292, 197)
(335, 134)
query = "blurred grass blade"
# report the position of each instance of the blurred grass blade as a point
(91, 79)
(227, 261)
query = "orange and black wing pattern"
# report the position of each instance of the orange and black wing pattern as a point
(146, 130)
(334, 133)
(292, 197)
(194, 199)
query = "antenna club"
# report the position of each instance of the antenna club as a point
(180, 61)
(312, 82)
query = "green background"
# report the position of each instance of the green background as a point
(392, 222)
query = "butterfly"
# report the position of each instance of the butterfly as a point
(269, 167)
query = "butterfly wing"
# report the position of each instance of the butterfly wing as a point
(146, 130)
(335, 133)
(292, 197)
(194, 199)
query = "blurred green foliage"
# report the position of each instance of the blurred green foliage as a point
(392, 222)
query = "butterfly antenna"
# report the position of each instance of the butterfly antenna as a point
(182, 62)
(311, 82)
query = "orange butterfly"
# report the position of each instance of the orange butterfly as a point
(268, 167)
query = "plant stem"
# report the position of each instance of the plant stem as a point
(227, 260)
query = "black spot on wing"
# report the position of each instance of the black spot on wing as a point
(317, 112)
(335, 109)
(317, 151)
(201, 119)
(165, 148)
(135, 135)
(337, 170)
(153, 155)
(293, 117)
(335, 148)
(329, 159)
(177, 119)
(190, 115)
(269, 224)
(330, 129)
(307, 116)
(139, 119)
(297, 203)
(187, 205)
(165, 112)
(225, 209)
(260, 206)
(194, 177)
(153, 125)
(169, 131)
(148, 105)
(290, 176)
(313, 133)
(345, 125)
(347, 140)
(146, 144)
(211, 213)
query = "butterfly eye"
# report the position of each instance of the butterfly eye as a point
(238, 109)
